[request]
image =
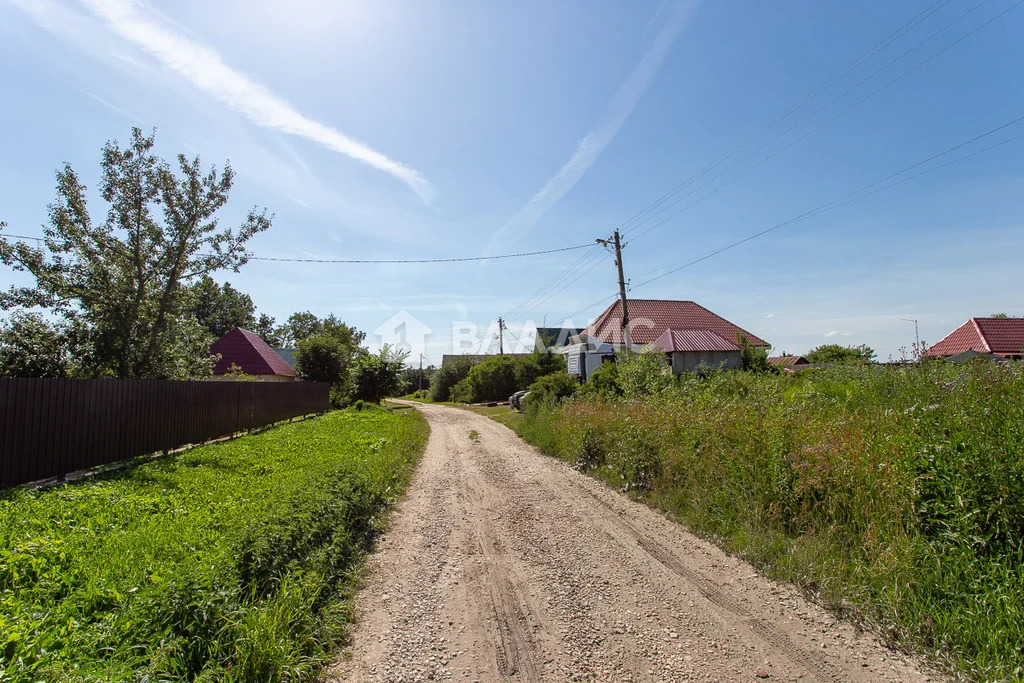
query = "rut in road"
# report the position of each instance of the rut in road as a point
(503, 564)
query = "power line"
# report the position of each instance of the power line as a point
(779, 118)
(821, 125)
(858, 194)
(528, 301)
(379, 261)
(426, 260)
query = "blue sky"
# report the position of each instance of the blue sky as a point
(416, 129)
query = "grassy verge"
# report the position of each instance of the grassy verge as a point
(896, 496)
(233, 561)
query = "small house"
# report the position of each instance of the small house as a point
(245, 352)
(789, 363)
(690, 350)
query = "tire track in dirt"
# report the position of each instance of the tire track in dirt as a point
(505, 565)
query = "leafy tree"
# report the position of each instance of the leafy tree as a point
(375, 377)
(122, 284)
(222, 308)
(265, 328)
(304, 325)
(322, 358)
(834, 353)
(448, 375)
(32, 347)
(999, 315)
(494, 379)
(411, 379)
(529, 368)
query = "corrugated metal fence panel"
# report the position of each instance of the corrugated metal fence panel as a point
(49, 427)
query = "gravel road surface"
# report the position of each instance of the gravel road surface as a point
(503, 564)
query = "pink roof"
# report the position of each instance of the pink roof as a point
(649, 318)
(1001, 336)
(692, 340)
(250, 353)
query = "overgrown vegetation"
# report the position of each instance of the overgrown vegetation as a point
(894, 494)
(231, 562)
(469, 380)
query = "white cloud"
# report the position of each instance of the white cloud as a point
(769, 316)
(589, 148)
(205, 69)
(832, 333)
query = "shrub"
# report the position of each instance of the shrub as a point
(643, 374)
(550, 389)
(451, 372)
(376, 377)
(530, 368)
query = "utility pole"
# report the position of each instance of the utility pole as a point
(917, 338)
(622, 289)
(501, 337)
(421, 372)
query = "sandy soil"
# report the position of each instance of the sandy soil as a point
(503, 564)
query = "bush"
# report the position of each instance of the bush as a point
(530, 368)
(550, 389)
(376, 377)
(453, 371)
(492, 380)
(644, 374)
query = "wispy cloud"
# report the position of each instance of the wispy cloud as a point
(205, 69)
(589, 148)
(112, 107)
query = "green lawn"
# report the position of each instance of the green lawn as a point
(233, 561)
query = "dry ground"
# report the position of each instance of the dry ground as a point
(504, 564)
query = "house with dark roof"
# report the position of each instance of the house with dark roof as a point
(249, 354)
(691, 335)
(1003, 337)
(555, 338)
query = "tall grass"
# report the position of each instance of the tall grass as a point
(897, 495)
(229, 562)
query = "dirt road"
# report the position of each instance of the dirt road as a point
(504, 564)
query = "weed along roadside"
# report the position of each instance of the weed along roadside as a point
(233, 561)
(895, 497)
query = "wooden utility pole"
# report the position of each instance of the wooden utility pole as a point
(501, 337)
(622, 289)
(421, 372)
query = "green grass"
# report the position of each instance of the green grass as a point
(895, 496)
(233, 561)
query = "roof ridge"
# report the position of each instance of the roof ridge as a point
(981, 335)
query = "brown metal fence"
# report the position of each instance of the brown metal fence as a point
(49, 427)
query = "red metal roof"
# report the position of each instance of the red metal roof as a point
(1002, 336)
(649, 318)
(671, 341)
(250, 353)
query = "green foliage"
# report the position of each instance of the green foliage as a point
(447, 376)
(264, 327)
(322, 358)
(493, 379)
(122, 286)
(643, 374)
(896, 494)
(550, 389)
(999, 315)
(231, 562)
(754, 358)
(376, 377)
(32, 347)
(530, 368)
(411, 379)
(221, 308)
(834, 353)
(301, 326)
(605, 381)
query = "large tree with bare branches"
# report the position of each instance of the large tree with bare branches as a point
(122, 284)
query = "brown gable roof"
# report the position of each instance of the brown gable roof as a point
(787, 361)
(1001, 336)
(250, 353)
(649, 318)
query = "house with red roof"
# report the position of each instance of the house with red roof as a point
(689, 334)
(248, 353)
(1003, 337)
